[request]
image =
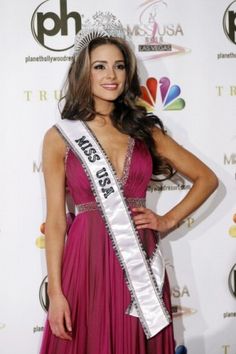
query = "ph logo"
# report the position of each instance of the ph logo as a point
(54, 31)
(232, 281)
(43, 294)
(229, 22)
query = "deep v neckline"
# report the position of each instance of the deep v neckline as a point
(127, 161)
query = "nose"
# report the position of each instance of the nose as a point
(111, 74)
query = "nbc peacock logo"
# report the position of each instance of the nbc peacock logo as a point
(161, 92)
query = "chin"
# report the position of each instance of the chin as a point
(108, 97)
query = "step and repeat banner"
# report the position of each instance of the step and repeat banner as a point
(186, 52)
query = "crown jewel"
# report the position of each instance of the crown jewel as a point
(103, 24)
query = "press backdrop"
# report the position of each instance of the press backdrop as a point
(187, 58)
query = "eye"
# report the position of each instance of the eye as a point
(99, 67)
(120, 66)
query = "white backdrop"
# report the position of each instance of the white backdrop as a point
(197, 59)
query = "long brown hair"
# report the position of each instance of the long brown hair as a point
(127, 116)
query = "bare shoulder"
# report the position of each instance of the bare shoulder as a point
(163, 141)
(54, 143)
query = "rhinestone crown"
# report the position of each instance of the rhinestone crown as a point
(102, 24)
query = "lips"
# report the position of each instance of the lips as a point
(110, 86)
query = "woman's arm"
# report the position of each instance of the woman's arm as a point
(55, 229)
(203, 178)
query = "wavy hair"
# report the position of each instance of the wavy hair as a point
(128, 116)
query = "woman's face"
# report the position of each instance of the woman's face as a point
(108, 73)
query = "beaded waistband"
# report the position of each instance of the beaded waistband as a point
(91, 206)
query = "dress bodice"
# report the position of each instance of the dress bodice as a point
(136, 174)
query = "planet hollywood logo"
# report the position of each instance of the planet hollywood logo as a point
(161, 90)
(55, 29)
(153, 37)
(232, 281)
(229, 22)
(43, 294)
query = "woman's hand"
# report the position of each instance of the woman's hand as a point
(147, 219)
(59, 317)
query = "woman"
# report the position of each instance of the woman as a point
(90, 280)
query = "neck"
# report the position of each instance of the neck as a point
(104, 107)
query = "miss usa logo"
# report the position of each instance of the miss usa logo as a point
(52, 30)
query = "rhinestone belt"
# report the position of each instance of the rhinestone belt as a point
(92, 206)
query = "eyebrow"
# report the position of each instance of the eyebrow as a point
(105, 62)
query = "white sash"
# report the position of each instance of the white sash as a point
(144, 276)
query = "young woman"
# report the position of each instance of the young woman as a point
(104, 295)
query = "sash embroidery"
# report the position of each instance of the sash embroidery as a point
(141, 274)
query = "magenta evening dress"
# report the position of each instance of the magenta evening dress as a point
(92, 278)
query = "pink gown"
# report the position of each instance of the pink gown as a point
(92, 278)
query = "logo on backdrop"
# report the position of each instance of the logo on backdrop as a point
(232, 281)
(175, 183)
(230, 159)
(153, 38)
(54, 27)
(227, 349)
(229, 28)
(232, 229)
(229, 22)
(229, 155)
(181, 349)
(161, 90)
(40, 240)
(177, 310)
(229, 90)
(37, 167)
(43, 294)
(2, 325)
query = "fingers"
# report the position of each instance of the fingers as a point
(58, 329)
(143, 222)
(144, 213)
(144, 226)
(140, 209)
(68, 321)
(146, 219)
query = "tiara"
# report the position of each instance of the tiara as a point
(102, 24)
